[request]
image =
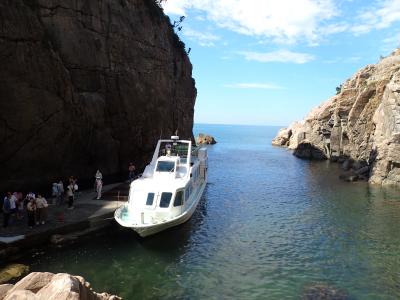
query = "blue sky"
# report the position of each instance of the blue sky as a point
(269, 62)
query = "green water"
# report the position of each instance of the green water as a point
(269, 225)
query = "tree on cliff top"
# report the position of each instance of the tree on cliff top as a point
(159, 2)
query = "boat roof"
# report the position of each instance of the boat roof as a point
(159, 183)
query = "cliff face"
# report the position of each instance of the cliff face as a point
(362, 123)
(87, 84)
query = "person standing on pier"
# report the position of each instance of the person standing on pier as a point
(6, 210)
(70, 195)
(131, 170)
(31, 210)
(60, 192)
(13, 206)
(20, 205)
(98, 183)
(41, 205)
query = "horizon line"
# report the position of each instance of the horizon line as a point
(231, 124)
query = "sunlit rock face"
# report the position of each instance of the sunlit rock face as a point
(361, 122)
(87, 84)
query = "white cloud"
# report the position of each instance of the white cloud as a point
(289, 21)
(284, 56)
(395, 39)
(334, 28)
(205, 39)
(284, 21)
(343, 60)
(265, 86)
(175, 7)
(379, 16)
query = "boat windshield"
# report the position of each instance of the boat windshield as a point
(165, 166)
(174, 149)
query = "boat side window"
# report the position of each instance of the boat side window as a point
(165, 199)
(165, 166)
(178, 199)
(150, 199)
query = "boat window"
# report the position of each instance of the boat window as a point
(174, 149)
(165, 199)
(165, 166)
(150, 199)
(178, 199)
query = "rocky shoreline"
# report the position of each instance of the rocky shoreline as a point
(45, 285)
(359, 127)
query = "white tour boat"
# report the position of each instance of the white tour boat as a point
(169, 190)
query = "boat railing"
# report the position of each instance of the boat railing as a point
(195, 151)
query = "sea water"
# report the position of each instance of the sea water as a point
(269, 226)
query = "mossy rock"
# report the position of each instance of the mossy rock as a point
(13, 271)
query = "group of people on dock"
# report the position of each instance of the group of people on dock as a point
(71, 192)
(34, 207)
(15, 207)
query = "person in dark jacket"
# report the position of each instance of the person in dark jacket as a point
(131, 170)
(31, 211)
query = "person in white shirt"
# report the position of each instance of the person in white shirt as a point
(70, 195)
(99, 187)
(41, 210)
(98, 183)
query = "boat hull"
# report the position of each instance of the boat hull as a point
(145, 230)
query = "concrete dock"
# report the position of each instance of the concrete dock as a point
(89, 214)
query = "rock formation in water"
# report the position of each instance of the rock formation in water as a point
(205, 139)
(361, 124)
(44, 285)
(13, 271)
(87, 84)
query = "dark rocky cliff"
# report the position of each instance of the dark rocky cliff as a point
(87, 84)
